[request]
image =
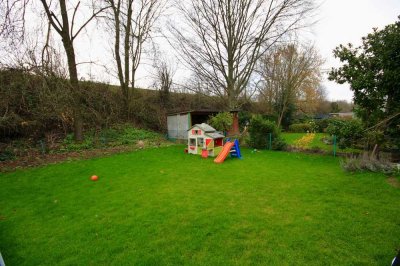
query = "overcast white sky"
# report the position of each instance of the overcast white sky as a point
(344, 21)
(339, 22)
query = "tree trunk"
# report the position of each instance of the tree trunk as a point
(73, 73)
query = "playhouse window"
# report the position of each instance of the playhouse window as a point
(218, 142)
(200, 142)
(192, 142)
(196, 132)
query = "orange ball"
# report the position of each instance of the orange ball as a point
(94, 178)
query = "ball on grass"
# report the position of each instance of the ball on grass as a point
(94, 177)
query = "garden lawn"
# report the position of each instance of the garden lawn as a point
(164, 207)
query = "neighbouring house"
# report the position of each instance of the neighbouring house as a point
(343, 115)
(179, 123)
(205, 140)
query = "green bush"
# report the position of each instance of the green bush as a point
(301, 128)
(221, 121)
(347, 132)
(321, 124)
(259, 130)
(244, 119)
(6, 155)
(119, 135)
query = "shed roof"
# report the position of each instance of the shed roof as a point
(201, 112)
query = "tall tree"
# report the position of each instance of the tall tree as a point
(133, 22)
(59, 17)
(289, 75)
(373, 72)
(221, 40)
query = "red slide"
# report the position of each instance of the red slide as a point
(224, 153)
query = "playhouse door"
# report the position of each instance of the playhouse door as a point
(208, 142)
(192, 146)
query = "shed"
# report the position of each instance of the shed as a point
(180, 122)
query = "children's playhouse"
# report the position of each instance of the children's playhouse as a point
(205, 140)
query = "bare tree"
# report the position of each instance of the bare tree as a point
(133, 21)
(221, 40)
(289, 74)
(12, 18)
(59, 17)
(163, 81)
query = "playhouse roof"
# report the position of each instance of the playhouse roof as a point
(206, 128)
(215, 135)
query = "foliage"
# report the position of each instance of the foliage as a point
(35, 105)
(290, 80)
(279, 144)
(321, 124)
(368, 163)
(221, 121)
(6, 155)
(335, 107)
(373, 72)
(244, 119)
(259, 130)
(347, 132)
(118, 135)
(322, 142)
(301, 128)
(305, 141)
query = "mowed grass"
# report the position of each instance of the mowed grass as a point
(164, 207)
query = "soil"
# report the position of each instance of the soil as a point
(393, 181)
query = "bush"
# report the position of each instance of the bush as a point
(6, 155)
(259, 130)
(300, 128)
(367, 163)
(346, 131)
(321, 124)
(244, 119)
(119, 135)
(221, 121)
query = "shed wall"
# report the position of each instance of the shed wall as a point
(178, 126)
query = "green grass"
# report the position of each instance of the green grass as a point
(164, 207)
(317, 143)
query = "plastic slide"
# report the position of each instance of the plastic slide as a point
(224, 153)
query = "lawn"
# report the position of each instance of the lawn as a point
(164, 207)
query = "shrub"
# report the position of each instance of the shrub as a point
(367, 163)
(321, 124)
(300, 128)
(244, 119)
(259, 130)
(346, 131)
(6, 155)
(119, 135)
(221, 121)
(279, 144)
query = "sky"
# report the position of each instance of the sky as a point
(338, 22)
(347, 21)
